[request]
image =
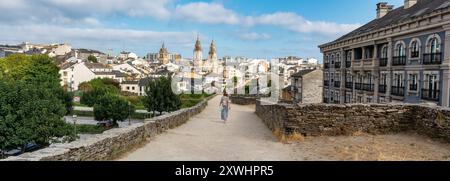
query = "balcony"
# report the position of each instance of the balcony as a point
(326, 83)
(349, 85)
(431, 95)
(348, 64)
(398, 91)
(382, 89)
(413, 87)
(358, 86)
(432, 58)
(383, 62)
(337, 65)
(368, 87)
(399, 61)
(326, 65)
(337, 84)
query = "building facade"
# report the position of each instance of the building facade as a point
(401, 56)
(306, 86)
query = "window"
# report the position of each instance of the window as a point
(415, 49)
(326, 59)
(398, 80)
(413, 82)
(133, 88)
(434, 46)
(332, 59)
(349, 56)
(338, 58)
(65, 73)
(384, 52)
(128, 87)
(400, 50)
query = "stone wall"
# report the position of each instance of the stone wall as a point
(334, 120)
(112, 143)
(245, 99)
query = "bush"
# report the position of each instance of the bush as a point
(90, 129)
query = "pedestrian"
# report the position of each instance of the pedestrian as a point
(224, 107)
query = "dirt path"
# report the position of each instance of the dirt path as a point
(206, 137)
(245, 138)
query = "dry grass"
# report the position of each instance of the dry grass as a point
(294, 137)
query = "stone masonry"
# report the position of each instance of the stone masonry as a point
(113, 142)
(334, 120)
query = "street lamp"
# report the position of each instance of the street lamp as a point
(75, 123)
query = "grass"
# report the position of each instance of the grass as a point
(90, 129)
(190, 100)
(294, 137)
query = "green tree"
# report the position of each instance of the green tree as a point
(112, 108)
(160, 97)
(92, 59)
(97, 88)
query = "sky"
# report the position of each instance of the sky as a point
(250, 28)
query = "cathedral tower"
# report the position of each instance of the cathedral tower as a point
(198, 55)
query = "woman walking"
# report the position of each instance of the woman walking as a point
(225, 107)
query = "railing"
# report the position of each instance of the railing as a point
(349, 85)
(382, 89)
(397, 61)
(348, 64)
(337, 65)
(326, 83)
(337, 101)
(383, 62)
(413, 87)
(368, 87)
(337, 84)
(432, 58)
(327, 65)
(398, 91)
(358, 86)
(431, 95)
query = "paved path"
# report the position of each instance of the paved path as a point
(206, 138)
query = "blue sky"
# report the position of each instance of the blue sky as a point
(251, 28)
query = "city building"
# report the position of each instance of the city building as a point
(401, 56)
(198, 54)
(306, 86)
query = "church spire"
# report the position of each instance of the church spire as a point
(198, 46)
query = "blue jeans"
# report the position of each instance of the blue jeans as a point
(224, 113)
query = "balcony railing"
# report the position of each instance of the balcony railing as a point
(349, 85)
(382, 89)
(413, 87)
(326, 83)
(383, 62)
(337, 84)
(348, 64)
(398, 91)
(337, 65)
(358, 86)
(326, 65)
(398, 61)
(368, 87)
(432, 58)
(431, 95)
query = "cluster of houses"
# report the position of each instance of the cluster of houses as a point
(210, 75)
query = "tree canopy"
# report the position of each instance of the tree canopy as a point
(160, 97)
(92, 58)
(32, 101)
(112, 108)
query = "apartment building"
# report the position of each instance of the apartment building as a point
(402, 56)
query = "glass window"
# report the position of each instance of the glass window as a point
(415, 49)
(384, 52)
(434, 46)
(401, 50)
(413, 82)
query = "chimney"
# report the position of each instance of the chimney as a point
(409, 3)
(383, 8)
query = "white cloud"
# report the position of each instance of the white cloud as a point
(294, 22)
(210, 13)
(253, 36)
(104, 37)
